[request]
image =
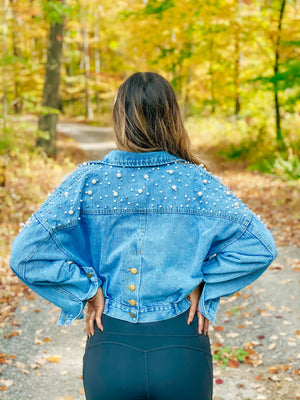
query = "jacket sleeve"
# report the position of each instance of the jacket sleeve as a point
(46, 268)
(237, 264)
(43, 258)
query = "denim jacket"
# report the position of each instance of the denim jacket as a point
(147, 228)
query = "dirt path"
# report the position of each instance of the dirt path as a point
(45, 361)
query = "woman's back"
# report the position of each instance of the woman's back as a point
(150, 226)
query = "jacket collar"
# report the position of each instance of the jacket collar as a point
(133, 159)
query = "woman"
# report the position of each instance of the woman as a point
(139, 236)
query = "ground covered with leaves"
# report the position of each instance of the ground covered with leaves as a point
(255, 342)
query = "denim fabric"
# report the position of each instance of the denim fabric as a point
(147, 228)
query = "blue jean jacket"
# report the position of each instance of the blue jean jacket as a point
(147, 228)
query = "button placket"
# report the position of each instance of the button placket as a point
(132, 302)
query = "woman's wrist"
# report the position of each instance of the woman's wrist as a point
(93, 298)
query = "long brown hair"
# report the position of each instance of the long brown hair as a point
(147, 117)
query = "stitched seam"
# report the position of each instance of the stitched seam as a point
(232, 241)
(266, 247)
(148, 351)
(144, 334)
(119, 343)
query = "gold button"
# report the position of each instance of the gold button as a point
(133, 270)
(131, 287)
(132, 315)
(89, 275)
(132, 302)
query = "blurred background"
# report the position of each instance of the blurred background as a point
(234, 64)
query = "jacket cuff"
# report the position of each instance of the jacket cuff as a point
(66, 318)
(208, 308)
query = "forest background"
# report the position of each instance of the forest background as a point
(234, 65)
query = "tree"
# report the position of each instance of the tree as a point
(50, 102)
(276, 71)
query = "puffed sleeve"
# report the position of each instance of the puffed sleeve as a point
(40, 259)
(237, 264)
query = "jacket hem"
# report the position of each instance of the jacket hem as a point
(150, 314)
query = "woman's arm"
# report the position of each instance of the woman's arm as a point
(43, 265)
(236, 265)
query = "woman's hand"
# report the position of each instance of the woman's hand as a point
(194, 298)
(95, 307)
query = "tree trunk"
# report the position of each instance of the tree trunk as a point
(89, 106)
(48, 121)
(97, 65)
(211, 73)
(16, 40)
(279, 137)
(237, 65)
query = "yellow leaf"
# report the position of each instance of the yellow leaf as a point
(53, 359)
(270, 307)
(273, 370)
(81, 391)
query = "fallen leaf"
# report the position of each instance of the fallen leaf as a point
(81, 391)
(233, 334)
(274, 378)
(30, 296)
(285, 367)
(218, 328)
(297, 371)
(53, 359)
(20, 365)
(273, 370)
(233, 363)
(270, 307)
(2, 358)
(8, 335)
(6, 382)
(219, 381)
(272, 346)
(241, 326)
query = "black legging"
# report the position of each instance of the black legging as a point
(162, 360)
